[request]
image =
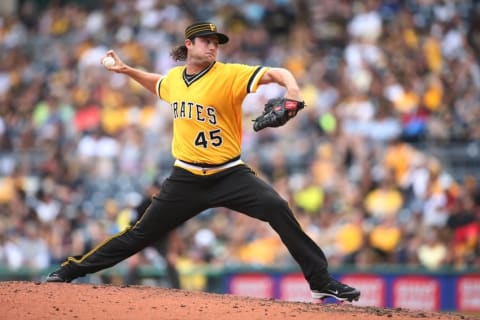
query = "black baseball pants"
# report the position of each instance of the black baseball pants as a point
(184, 195)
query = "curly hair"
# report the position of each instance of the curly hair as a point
(179, 53)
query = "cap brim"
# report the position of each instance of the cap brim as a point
(222, 38)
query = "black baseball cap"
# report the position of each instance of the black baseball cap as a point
(202, 29)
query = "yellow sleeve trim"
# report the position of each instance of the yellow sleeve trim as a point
(157, 86)
(255, 78)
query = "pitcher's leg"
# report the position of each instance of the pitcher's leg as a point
(244, 192)
(168, 210)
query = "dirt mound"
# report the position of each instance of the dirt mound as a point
(35, 300)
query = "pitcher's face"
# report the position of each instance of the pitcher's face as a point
(202, 50)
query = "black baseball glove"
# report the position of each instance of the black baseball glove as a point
(277, 112)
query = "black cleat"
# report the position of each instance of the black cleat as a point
(337, 290)
(57, 276)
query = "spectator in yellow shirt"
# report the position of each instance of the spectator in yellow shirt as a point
(384, 201)
(385, 237)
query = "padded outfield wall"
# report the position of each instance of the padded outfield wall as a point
(439, 291)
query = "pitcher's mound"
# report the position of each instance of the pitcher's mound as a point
(34, 300)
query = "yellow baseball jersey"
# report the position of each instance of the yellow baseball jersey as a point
(207, 110)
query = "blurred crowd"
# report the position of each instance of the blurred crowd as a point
(80, 147)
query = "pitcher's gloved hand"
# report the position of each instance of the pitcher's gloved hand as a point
(277, 112)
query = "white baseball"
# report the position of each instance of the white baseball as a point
(108, 61)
